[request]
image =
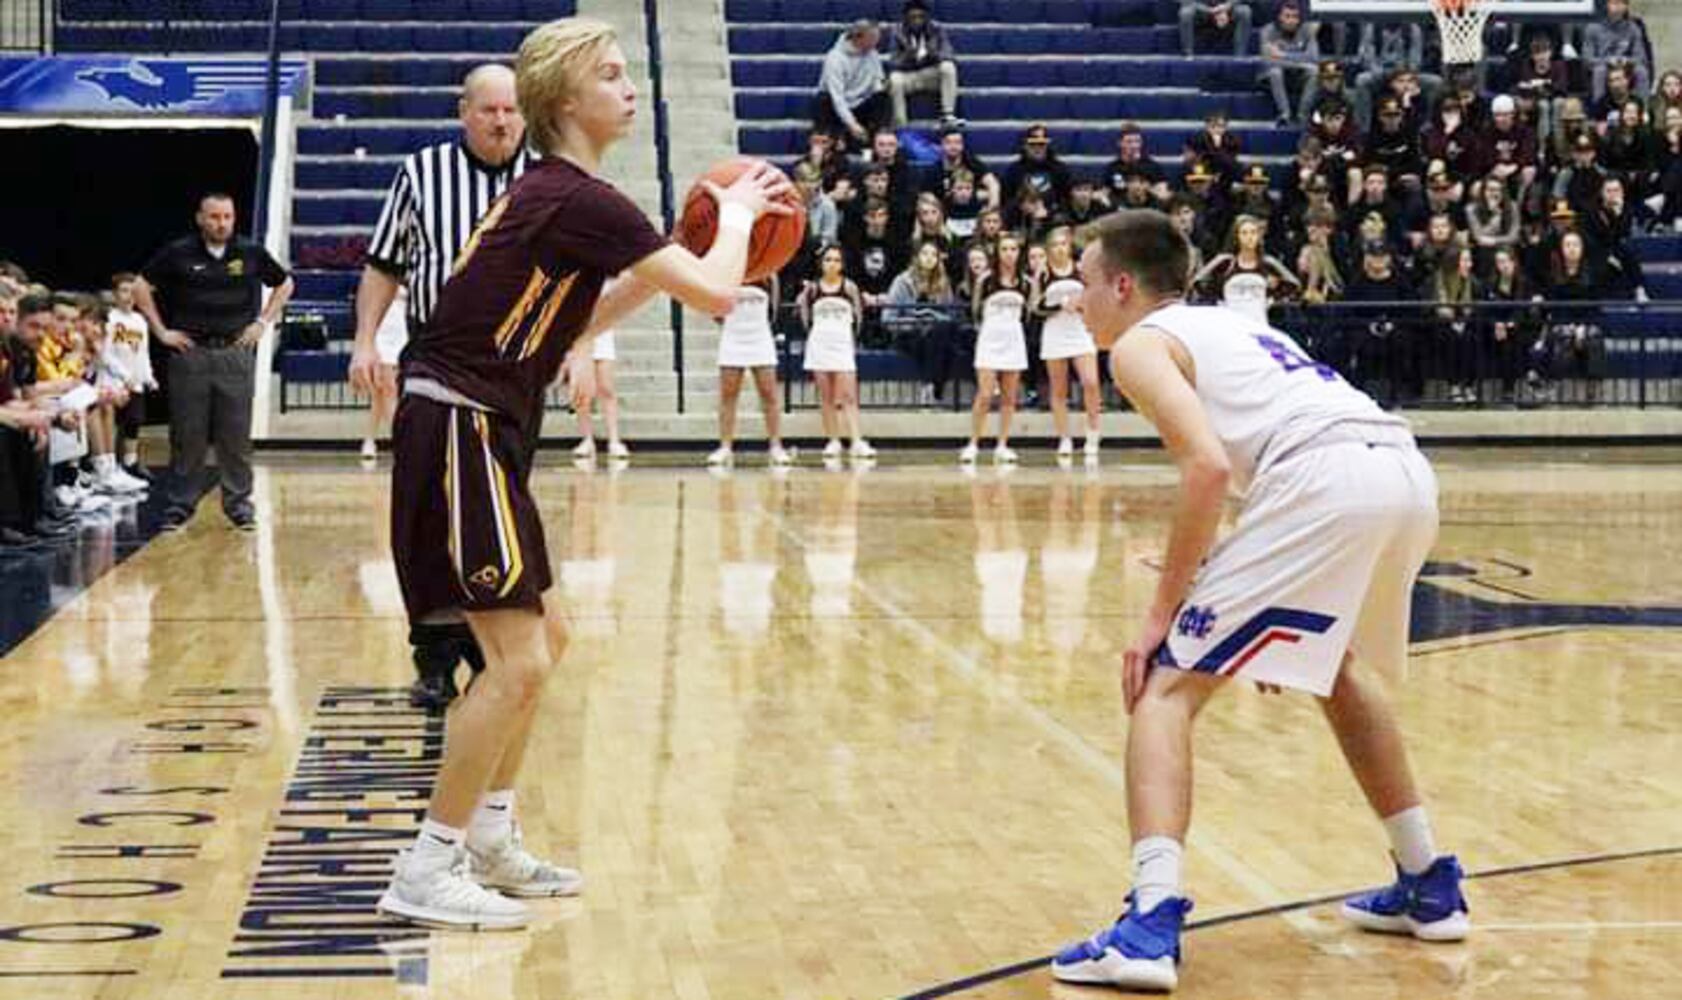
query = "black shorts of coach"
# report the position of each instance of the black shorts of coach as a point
(465, 533)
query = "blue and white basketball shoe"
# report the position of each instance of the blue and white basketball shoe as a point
(1428, 905)
(1141, 951)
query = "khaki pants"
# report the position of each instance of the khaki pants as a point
(943, 78)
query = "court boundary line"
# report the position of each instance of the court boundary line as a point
(1018, 968)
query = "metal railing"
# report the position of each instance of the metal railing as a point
(25, 27)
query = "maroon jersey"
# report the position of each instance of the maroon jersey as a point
(525, 285)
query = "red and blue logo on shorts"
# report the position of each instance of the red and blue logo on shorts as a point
(1287, 625)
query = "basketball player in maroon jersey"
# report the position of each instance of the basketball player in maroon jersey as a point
(465, 533)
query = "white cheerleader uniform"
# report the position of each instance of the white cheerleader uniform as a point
(746, 340)
(605, 348)
(392, 335)
(1001, 343)
(1064, 335)
(829, 344)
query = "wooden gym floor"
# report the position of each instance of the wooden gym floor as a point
(835, 734)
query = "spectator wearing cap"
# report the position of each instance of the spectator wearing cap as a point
(1216, 147)
(1331, 88)
(1255, 198)
(1442, 197)
(1341, 142)
(955, 156)
(1544, 80)
(1394, 145)
(1573, 121)
(1609, 229)
(1037, 166)
(1383, 51)
(1204, 192)
(1509, 148)
(1215, 25)
(1537, 249)
(1289, 49)
(851, 102)
(921, 60)
(1132, 157)
(1622, 37)
(1578, 183)
(1315, 195)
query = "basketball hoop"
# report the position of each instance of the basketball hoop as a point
(1461, 24)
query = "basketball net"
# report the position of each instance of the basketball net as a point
(1461, 24)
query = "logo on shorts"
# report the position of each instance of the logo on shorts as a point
(488, 577)
(1196, 622)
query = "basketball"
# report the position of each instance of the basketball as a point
(776, 238)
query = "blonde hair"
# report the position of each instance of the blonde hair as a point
(551, 59)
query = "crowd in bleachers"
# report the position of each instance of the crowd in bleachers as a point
(74, 371)
(1523, 177)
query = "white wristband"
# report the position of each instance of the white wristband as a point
(736, 217)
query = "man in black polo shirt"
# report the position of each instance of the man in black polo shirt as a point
(203, 296)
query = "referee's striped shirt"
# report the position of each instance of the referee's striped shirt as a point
(439, 195)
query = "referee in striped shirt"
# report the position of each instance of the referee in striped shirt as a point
(438, 197)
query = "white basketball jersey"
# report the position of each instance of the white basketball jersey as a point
(1262, 393)
(752, 313)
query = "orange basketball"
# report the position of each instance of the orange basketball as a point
(776, 238)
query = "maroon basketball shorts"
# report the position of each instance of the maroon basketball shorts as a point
(465, 533)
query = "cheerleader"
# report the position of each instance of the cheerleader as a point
(745, 344)
(1001, 348)
(1065, 341)
(832, 309)
(1246, 278)
(604, 356)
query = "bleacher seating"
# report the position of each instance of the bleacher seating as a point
(387, 75)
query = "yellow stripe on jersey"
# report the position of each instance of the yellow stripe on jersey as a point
(489, 222)
(517, 316)
(546, 319)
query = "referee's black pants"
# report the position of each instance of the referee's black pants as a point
(210, 393)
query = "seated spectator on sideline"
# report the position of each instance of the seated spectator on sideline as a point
(1211, 204)
(1630, 150)
(1215, 26)
(1256, 199)
(1131, 156)
(1381, 347)
(1509, 148)
(1492, 220)
(1394, 145)
(1290, 52)
(1135, 191)
(1331, 89)
(1610, 229)
(954, 157)
(1666, 200)
(875, 186)
(1384, 51)
(904, 181)
(1621, 37)
(1544, 80)
(1573, 122)
(1441, 238)
(929, 224)
(1184, 213)
(1030, 216)
(851, 102)
(1316, 260)
(928, 334)
(978, 263)
(1376, 196)
(1088, 202)
(823, 218)
(1443, 196)
(921, 60)
(963, 208)
(1037, 165)
(1340, 143)
(1578, 182)
(1217, 148)
(24, 424)
(1316, 197)
(1668, 95)
(1512, 332)
(1604, 109)
(1573, 341)
(821, 153)
(1453, 141)
(874, 253)
(989, 226)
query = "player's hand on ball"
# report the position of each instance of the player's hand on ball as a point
(761, 190)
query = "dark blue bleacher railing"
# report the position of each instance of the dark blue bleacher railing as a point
(271, 114)
(663, 165)
(1404, 354)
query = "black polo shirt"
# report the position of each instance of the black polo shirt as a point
(207, 297)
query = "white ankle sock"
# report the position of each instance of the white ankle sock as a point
(1156, 871)
(1410, 839)
(493, 821)
(437, 843)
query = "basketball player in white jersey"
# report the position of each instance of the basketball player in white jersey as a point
(1311, 589)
